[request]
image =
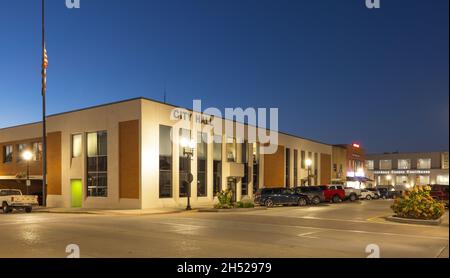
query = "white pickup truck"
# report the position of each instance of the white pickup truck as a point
(13, 199)
(352, 194)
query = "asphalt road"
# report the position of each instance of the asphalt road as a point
(340, 230)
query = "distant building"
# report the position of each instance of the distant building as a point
(348, 165)
(405, 170)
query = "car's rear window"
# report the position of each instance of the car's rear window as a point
(9, 192)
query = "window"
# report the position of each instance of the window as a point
(231, 149)
(370, 164)
(404, 164)
(165, 162)
(244, 160)
(423, 180)
(442, 179)
(316, 168)
(7, 154)
(334, 167)
(302, 159)
(20, 148)
(202, 158)
(255, 158)
(97, 164)
(37, 151)
(288, 167)
(401, 180)
(295, 167)
(185, 165)
(385, 164)
(424, 163)
(217, 164)
(77, 140)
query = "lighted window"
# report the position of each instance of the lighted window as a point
(255, 167)
(385, 164)
(231, 149)
(20, 148)
(217, 164)
(423, 180)
(404, 164)
(370, 164)
(37, 151)
(97, 164)
(7, 154)
(165, 162)
(424, 163)
(401, 180)
(244, 160)
(442, 179)
(202, 158)
(77, 145)
(184, 165)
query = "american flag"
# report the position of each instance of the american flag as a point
(44, 70)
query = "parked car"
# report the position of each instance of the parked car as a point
(270, 197)
(367, 194)
(352, 194)
(440, 193)
(389, 193)
(314, 193)
(13, 199)
(333, 193)
(376, 192)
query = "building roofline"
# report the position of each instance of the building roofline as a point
(397, 153)
(147, 99)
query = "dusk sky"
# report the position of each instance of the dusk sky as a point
(337, 71)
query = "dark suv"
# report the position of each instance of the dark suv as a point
(270, 197)
(314, 193)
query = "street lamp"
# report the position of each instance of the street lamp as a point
(27, 156)
(308, 164)
(188, 151)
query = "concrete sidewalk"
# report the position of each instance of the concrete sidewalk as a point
(132, 212)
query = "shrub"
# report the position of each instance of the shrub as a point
(418, 204)
(245, 204)
(224, 197)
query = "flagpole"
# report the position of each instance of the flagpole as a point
(44, 123)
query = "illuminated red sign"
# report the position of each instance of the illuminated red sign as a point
(355, 145)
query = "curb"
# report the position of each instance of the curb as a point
(232, 210)
(394, 218)
(106, 213)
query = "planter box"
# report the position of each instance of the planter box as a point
(415, 221)
(232, 210)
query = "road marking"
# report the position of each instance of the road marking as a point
(344, 230)
(307, 235)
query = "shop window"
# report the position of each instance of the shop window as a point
(295, 167)
(442, 179)
(401, 180)
(424, 180)
(424, 163)
(7, 154)
(386, 164)
(165, 162)
(404, 164)
(97, 164)
(302, 159)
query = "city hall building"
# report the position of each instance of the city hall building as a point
(124, 155)
(405, 170)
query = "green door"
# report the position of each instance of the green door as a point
(77, 193)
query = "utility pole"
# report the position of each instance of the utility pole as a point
(44, 124)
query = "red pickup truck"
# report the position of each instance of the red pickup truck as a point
(333, 193)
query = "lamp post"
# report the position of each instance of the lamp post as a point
(188, 151)
(27, 156)
(308, 164)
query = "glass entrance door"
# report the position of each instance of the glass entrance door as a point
(232, 185)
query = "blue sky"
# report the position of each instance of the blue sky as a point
(337, 71)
